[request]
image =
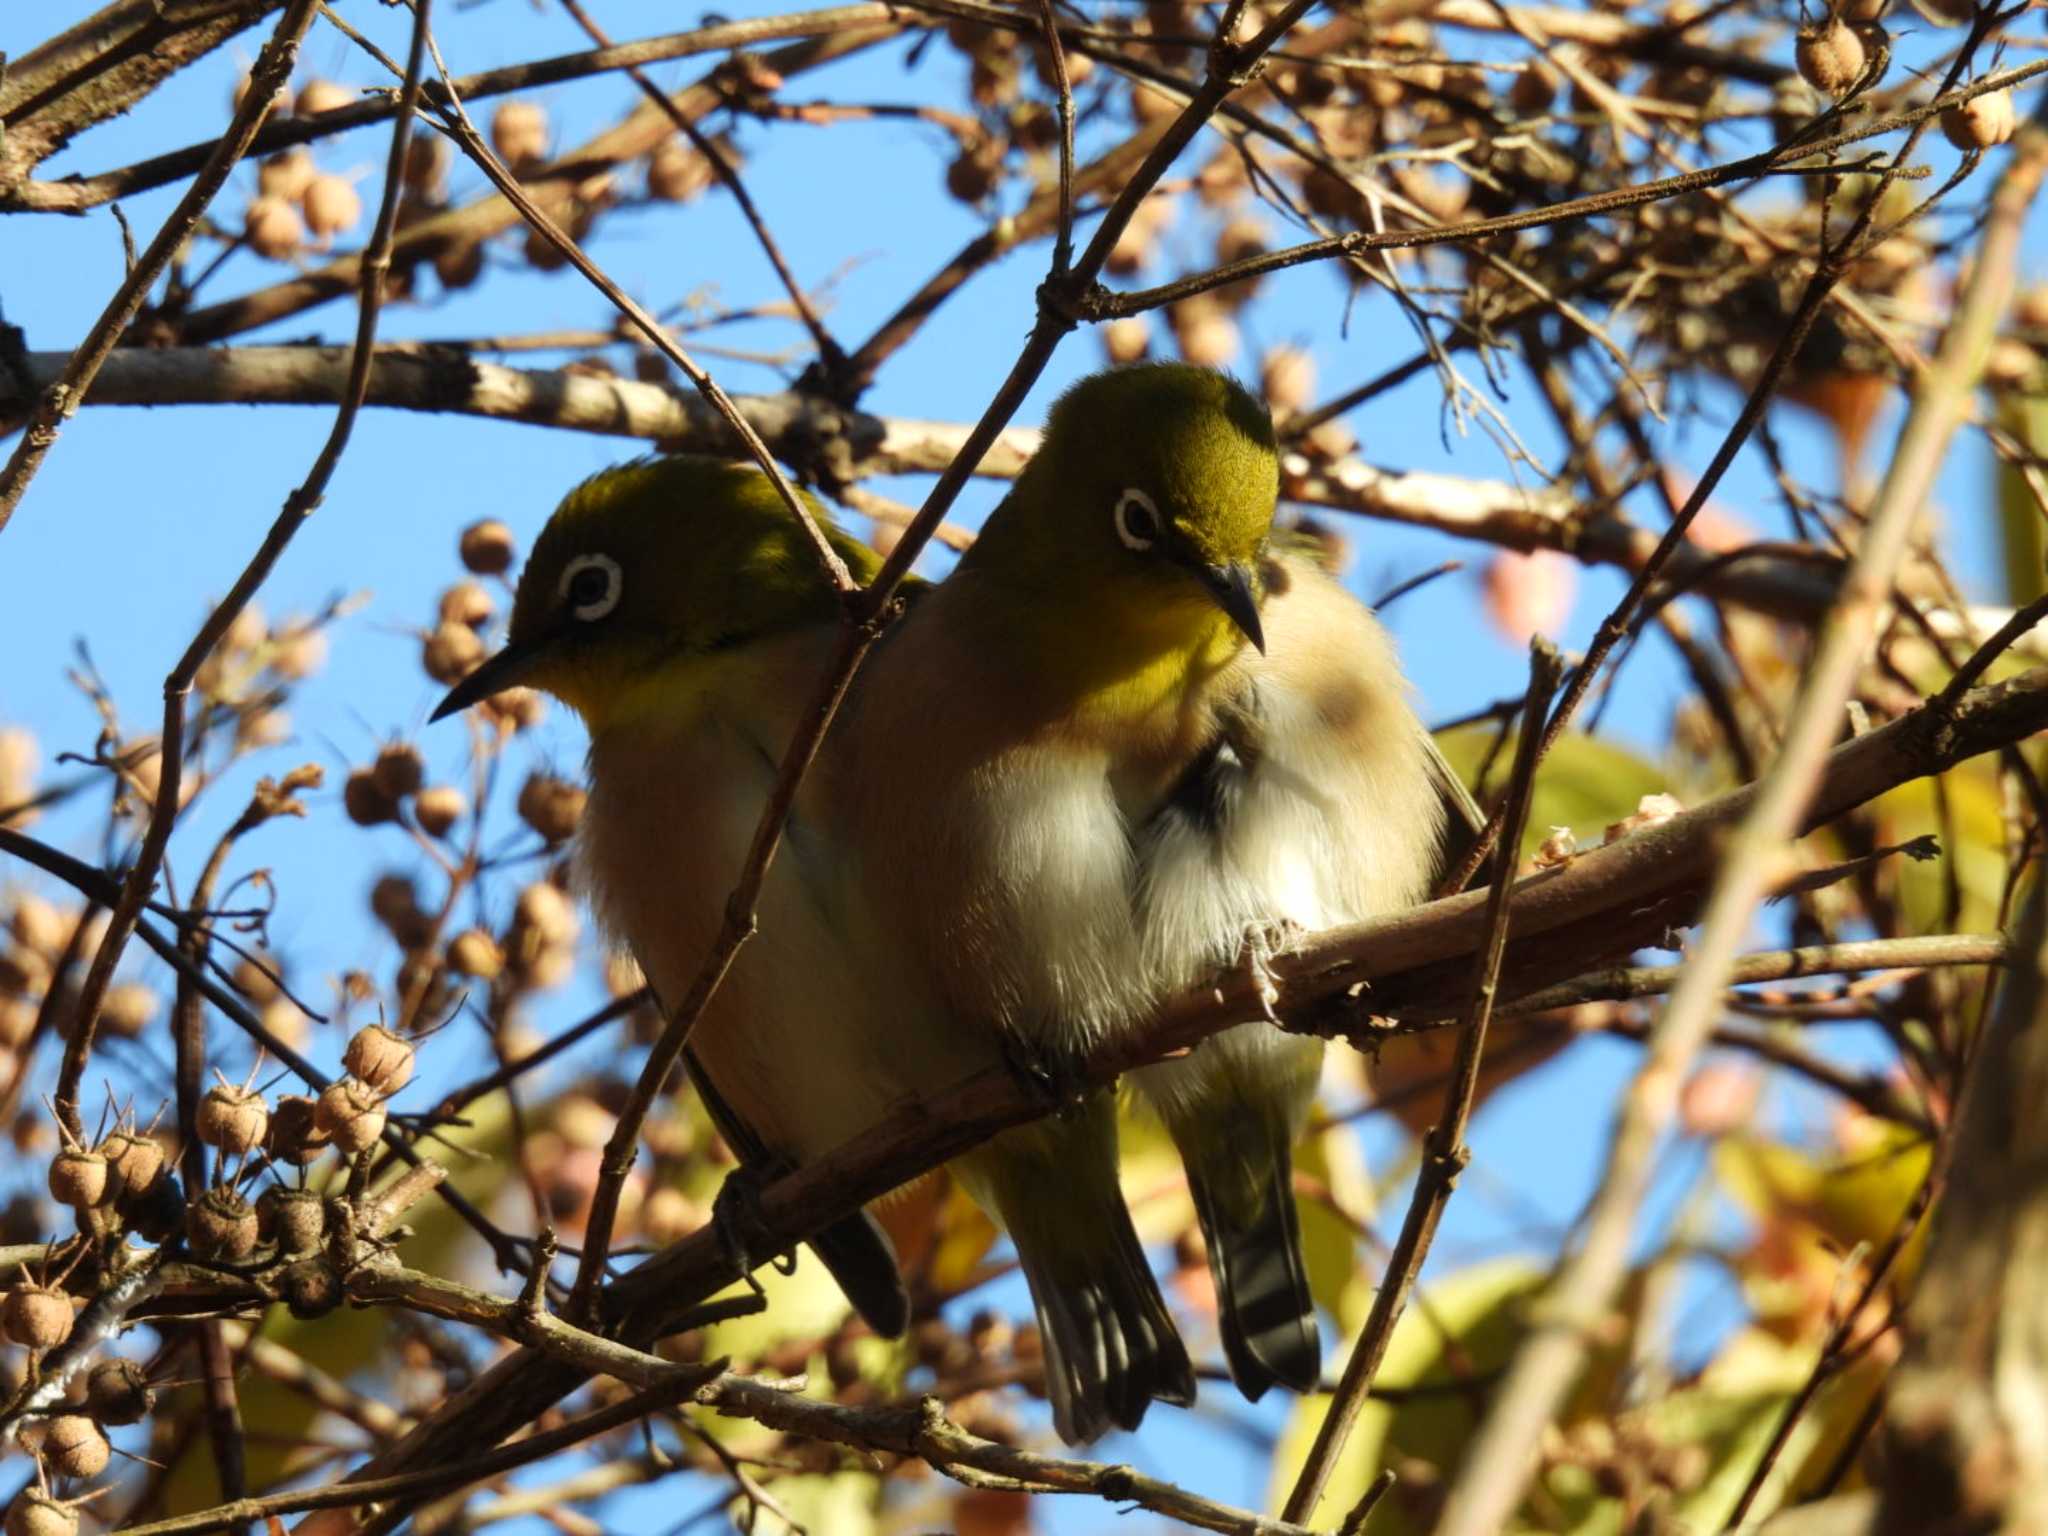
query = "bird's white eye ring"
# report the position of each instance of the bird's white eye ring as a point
(592, 586)
(1137, 520)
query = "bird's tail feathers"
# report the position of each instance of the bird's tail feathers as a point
(1264, 1309)
(1110, 1345)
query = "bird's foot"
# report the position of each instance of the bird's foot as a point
(743, 1234)
(1056, 1074)
(1263, 943)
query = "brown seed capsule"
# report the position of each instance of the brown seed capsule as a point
(451, 653)
(221, 1225)
(517, 709)
(311, 1289)
(398, 770)
(365, 801)
(332, 205)
(519, 133)
(300, 1221)
(295, 1135)
(551, 806)
(1982, 122)
(37, 924)
(459, 265)
(130, 1008)
(36, 1317)
(317, 96)
(487, 548)
(426, 166)
(232, 1119)
(285, 175)
(349, 1113)
(273, 228)
(1288, 378)
(379, 1059)
(117, 1391)
(1830, 57)
(467, 603)
(37, 1514)
(438, 807)
(137, 1166)
(676, 173)
(298, 650)
(74, 1446)
(1206, 335)
(78, 1179)
(546, 913)
(1126, 340)
(474, 952)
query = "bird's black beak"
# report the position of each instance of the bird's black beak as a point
(1236, 592)
(509, 668)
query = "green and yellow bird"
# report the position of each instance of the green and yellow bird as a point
(1142, 739)
(675, 605)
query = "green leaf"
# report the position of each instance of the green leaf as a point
(1586, 782)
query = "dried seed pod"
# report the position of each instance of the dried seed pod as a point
(221, 1225)
(379, 1059)
(474, 952)
(546, 913)
(349, 1113)
(398, 770)
(451, 653)
(129, 1009)
(1830, 57)
(487, 548)
(295, 1134)
(158, 1212)
(551, 806)
(273, 227)
(517, 709)
(1534, 89)
(459, 265)
(438, 807)
(676, 172)
(317, 96)
(74, 1446)
(1982, 122)
(78, 1178)
(37, 1514)
(38, 924)
(232, 1120)
(332, 206)
(365, 801)
(311, 1289)
(467, 603)
(36, 1317)
(284, 175)
(1205, 333)
(117, 1391)
(136, 1167)
(1947, 13)
(1127, 340)
(299, 1220)
(519, 133)
(1287, 377)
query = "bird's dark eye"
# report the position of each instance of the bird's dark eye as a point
(1137, 520)
(591, 585)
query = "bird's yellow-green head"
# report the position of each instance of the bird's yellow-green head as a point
(1149, 501)
(649, 573)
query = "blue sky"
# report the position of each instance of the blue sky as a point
(142, 516)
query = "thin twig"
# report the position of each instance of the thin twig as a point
(272, 68)
(1444, 1153)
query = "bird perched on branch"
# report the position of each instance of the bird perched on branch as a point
(676, 605)
(1144, 739)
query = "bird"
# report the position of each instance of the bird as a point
(675, 604)
(1152, 741)
(672, 604)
